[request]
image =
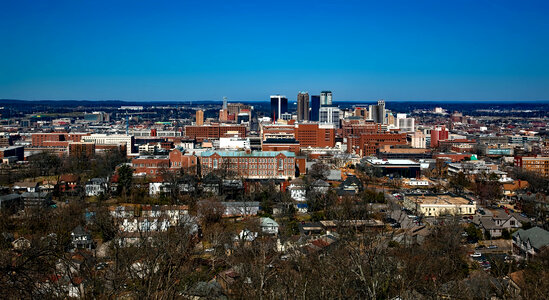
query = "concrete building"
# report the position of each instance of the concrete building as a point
(113, 139)
(437, 205)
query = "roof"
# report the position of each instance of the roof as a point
(26, 184)
(378, 161)
(538, 237)
(320, 183)
(10, 197)
(268, 222)
(244, 154)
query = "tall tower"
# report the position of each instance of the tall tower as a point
(326, 98)
(315, 107)
(303, 106)
(223, 112)
(199, 117)
(279, 105)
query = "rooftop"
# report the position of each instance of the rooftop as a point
(245, 154)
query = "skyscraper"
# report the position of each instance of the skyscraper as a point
(326, 98)
(279, 105)
(315, 107)
(199, 117)
(377, 112)
(302, 106)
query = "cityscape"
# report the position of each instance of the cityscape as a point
(282, 185)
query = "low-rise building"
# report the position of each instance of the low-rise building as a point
(250, 164)
(439, 204)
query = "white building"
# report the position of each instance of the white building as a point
(330, 115)
(234, 142)
(112, 139)
(436, 205)
(404, 123)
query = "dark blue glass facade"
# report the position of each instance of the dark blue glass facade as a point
(315, 107)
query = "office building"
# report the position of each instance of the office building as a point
(329, 115)
(538, 165)
(199, 117)
(377, 112)
(279, 105)
(315, 108)
(214, 131)
(325, 98)
(303, 106)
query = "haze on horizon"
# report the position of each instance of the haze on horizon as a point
(248, 50)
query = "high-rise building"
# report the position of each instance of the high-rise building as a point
(404, 123)
(199, 117)
(302, 106)
(326, 98)
(439, 133)
(329, 115)
(377, 112)
(315, 107)
(279, 105)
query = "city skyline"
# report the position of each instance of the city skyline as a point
(472, 50)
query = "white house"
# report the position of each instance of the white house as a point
(268, 226)
(298, 190)
(96, 186)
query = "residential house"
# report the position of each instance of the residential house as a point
(320, 186)
(530, 242)
(298, 190)
(268, 226)
(81, 239)
(350, 186)
(501, 220)
(68, 183)
(310, 228)
(26, 186)
(240, 208)
(211, 184)
(96, 186)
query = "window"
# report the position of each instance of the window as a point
(215, 163)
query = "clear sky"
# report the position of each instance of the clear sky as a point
(247, 50)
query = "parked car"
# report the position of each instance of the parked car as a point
(476, 254)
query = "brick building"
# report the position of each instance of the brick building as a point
(308, 135)
(291, 145)
(81, 149)
(42, 139)
(213, 131)
(152, 165)
(368, 144)
(539, 165)
(251, 165)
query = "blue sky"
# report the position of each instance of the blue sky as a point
(247, 50)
